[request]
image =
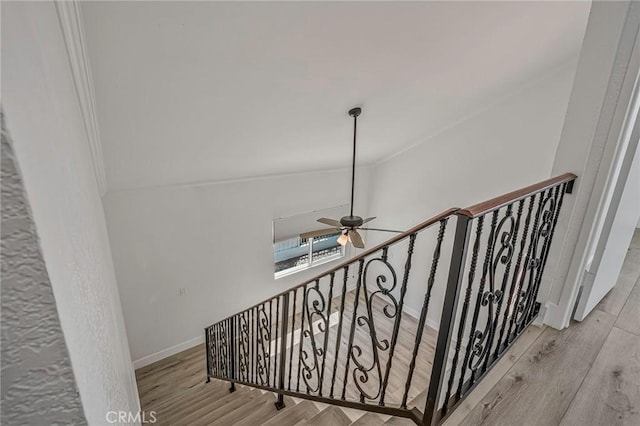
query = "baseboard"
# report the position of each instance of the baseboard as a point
(150, 359)
(416, 315)
(554, 316)
(433, 325)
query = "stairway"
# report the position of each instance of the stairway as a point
(175, 389)
(291, 342)
(212, 404)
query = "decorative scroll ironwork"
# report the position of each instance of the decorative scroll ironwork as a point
(275, 323)
(325, 342)
(516, 252)
(303, 315)
(504, 256)
(516, 271)
(212, 355)
(497, 304)
(424, 311)
(362, 373)
(559, 196)
(542, 229)
(244, 359)
(476, 338)
(463, 317)
(345, 279)
(315, 304)
(482, 339)
(353, 328)
(264, 345)
(523, 273)
(293, 327)
(224, 365)
(397, 316)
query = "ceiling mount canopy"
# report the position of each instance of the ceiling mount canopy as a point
(349, 225)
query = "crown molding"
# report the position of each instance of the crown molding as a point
(70, 18)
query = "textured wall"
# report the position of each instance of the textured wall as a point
(50, 142)
(38, 386)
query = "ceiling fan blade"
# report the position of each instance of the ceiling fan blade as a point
(330, 222)
(356, 239)
(369, 219)
(382, 230)
(319, 233)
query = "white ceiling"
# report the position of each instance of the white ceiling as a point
(205, 91)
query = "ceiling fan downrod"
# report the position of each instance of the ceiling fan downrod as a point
(354, 112)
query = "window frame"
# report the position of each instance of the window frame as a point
(310, 262)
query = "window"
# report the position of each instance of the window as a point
(293, 253)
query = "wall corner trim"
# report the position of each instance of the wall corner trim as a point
(71, 24)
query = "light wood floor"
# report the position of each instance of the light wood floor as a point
(174, 387)
(587, 374)
(362, 339)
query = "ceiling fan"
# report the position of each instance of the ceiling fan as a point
(348, 225)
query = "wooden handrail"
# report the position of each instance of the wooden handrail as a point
(417, 228)
(502, 200)
(472, 212)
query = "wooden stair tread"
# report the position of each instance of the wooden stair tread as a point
(190, 401)
(190, 396)
(369, 419)
(264, 404)
(330, 416)
(191, 412)
(231, 407)
(242, 412)
(292, 415)
(264, 412)
(419, 401)
(400, 421)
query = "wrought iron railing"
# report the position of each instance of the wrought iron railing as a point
(363, 334)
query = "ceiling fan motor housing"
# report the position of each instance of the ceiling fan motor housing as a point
(351, 221)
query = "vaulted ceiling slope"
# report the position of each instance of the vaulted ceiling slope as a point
(205, 91)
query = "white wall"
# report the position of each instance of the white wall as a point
(50, 141)
(215, 241)
(600, 97)
(508, 145)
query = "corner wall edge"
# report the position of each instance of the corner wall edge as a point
(71, 24)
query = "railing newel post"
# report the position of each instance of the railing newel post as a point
(454, 284)
(232, 352)
(283, 349)
(207, 339)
